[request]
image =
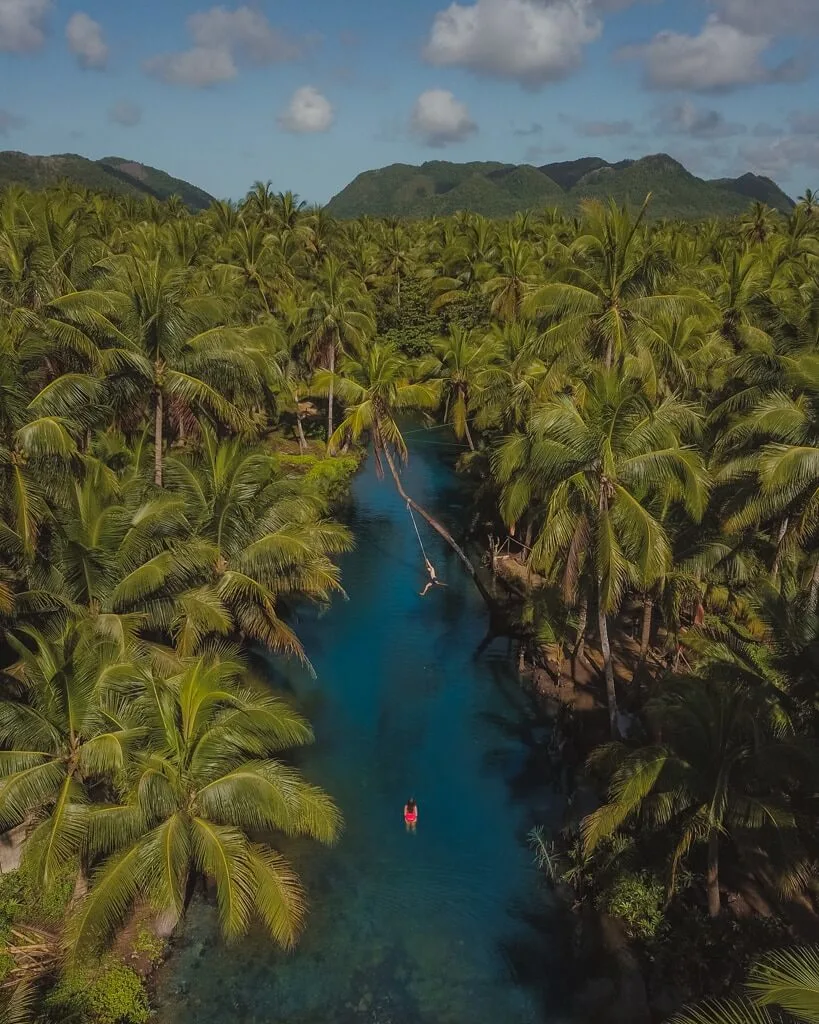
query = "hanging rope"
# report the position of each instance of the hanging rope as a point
(417, 534)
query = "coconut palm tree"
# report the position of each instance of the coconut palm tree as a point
(588, 466)
(465, 362)
(606, 296)
(783, 982)
(722, 771)
(65, 731)
(336, 319)
(208, 796)
(261, 541)
(171, 339)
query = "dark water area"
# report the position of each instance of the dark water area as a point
(450, 925)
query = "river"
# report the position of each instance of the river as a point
(450, 925)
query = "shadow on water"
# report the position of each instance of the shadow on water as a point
(445, 926)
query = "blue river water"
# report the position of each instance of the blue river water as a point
(450, 925)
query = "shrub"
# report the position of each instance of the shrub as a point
(150, 946)
(23, 898)
(110, 993)
(637, 900)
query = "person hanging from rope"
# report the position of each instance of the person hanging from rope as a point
(433, 578)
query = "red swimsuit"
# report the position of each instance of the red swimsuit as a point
(410, 817)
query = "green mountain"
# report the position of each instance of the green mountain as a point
(112, 174)
(501, 190)
(756, 188)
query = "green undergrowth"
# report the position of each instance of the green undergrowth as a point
(106, 991)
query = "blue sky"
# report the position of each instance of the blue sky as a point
(309, 94)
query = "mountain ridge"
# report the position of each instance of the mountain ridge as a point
(114, 174)
(501, 190)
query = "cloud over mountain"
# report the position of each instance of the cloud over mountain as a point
(438, 119)
(308, 112)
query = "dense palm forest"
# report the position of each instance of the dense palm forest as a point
(183, 398)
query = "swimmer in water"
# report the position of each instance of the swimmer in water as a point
(410, 814)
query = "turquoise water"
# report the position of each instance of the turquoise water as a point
(450, 925)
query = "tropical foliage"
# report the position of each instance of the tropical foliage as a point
(182, 397)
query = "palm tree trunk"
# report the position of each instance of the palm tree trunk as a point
(300, 431)
(331, 365)
(645, 639)
(158, 440)
(469, 437)
(439, 528)
(582, 618)
(712, 875)
(608, 667)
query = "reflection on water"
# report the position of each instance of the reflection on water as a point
(446, 926)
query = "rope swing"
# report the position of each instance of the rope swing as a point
(417, 534)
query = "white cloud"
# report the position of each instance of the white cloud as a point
(439, 119)
(720, 58)
(22, 24)
(531, 41)
(125, 113)
(766, 17)
(198, 67)
(9, 122)
(86, 41)
(687, 119)
(243, 31)
(223, 40)
(308, 112)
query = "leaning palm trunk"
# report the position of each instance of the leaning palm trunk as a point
(439, 528)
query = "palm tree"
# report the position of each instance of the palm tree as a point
(605, 297)
(170, 336)
(809, 201)
(261, 541)
(207, 797)
(787, 979)
(65, 730)
(337, 319)
(758, 224)
(464, 361)
(515, 279)
(590, 465)
(723, 769)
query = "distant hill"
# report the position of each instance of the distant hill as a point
(112, 174)
(501, 190)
